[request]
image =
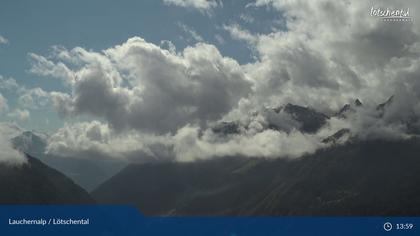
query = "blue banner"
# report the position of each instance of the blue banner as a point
(126, 220)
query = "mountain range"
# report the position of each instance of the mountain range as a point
(378, 177)
(360, 177)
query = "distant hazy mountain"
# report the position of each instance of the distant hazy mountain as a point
(30, 142)
(36, 183)
(85, 171)
(360, 178)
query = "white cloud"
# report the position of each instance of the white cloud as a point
(201, 5)
(190, 32)
(3, 40)
(9, 130)
(8, 154)
(146, 96)
(236, 32)
(139, 85)
(97, 141)
(27, 99)
(189, 145)
(3, 104)
(42, 66)
(19, 114)
(8, 84)
(325, 63)
(34, 98)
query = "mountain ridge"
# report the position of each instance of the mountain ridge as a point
(360, 178)
(36, 183)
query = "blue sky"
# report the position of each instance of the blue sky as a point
(36, 26)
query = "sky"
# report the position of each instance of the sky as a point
(96, 25)
(116, 79)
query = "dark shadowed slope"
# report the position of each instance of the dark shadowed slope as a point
(86, 172)
(36, 183)
(364, 178)
(157, 188)
(360, 178)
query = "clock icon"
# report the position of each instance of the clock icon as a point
(387, 226)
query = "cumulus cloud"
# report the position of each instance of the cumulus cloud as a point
(331, 52)
(34, 98)
(8, 84)
(27, 98)
(316, 56)
(42, 66)
(138, 85)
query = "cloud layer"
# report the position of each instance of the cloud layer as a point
(145, 100)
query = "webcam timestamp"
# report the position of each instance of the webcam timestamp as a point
(398, 226)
